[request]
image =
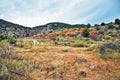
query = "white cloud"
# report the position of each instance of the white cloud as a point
(38, 12)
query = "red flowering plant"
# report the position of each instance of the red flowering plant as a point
(101, 31)
(93, 36)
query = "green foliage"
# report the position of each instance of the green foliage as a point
(96, 25)
(117, 21)
(78, 44)
(85, 33)
(11, 39)
(55, 42)
(91, 48)
(3, 37)
(97, 28)
(88, 25)
(102, 24)
(58, 25)
(5, 24)
(111, 26)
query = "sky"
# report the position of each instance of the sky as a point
(39, 12)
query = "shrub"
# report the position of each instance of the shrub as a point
(91, 48)
(3, 37)
(101, 31)
(102, 24)
(11, 39)
(90, 42)
(72, 34)
(93, 36)
(107, 47)
(78, 44)
(108, 37)
(117, 21)
(66, 44)
(85, 33)
(97, 28)
(55, 42)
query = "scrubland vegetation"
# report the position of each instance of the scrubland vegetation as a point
(90, 53)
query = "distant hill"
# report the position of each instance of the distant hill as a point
(9, 28)
(4, 23)
(60, 25)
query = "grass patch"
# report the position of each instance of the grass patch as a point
(111, 56)
(78, 44)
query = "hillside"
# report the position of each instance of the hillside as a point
(59, 26)
(9, 28)
(67, 53)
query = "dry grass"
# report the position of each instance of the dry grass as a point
(46, 61)
(52, 59)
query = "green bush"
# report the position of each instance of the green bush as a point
(3, 37)
(11, 39)
(91, 48)
(78, 44)
(85, 33)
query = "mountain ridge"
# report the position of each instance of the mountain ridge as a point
(9, 28)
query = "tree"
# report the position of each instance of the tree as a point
(88, 25)
(117, 21)
(96, 25)
(102, 24)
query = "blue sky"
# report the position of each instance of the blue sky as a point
(38, 12)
